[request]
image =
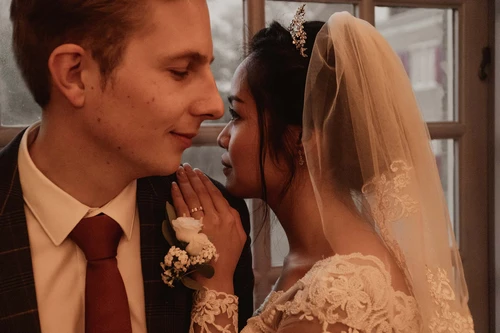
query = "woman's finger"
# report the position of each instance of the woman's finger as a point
(241, 232)
(190, 197)
(200, 189)
(220, 203)
(180, 205)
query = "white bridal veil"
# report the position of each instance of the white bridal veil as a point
(360, 110)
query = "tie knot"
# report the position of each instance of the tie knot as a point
(97, 237)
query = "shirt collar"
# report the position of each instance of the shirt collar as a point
(57, 211)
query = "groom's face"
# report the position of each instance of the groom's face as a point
(158, 96)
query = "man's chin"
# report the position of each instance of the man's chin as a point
(166, 168)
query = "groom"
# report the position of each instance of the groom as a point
(124, 86)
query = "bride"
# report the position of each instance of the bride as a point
(348, 170)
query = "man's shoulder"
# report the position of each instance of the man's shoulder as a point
(12, 147)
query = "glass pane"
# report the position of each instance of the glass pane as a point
(425, 40)
(17, 107)
(226, 17)
(206, 158)
(279, 242)
(446, 158)
(283, 11)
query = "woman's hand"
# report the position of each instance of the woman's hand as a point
(196, 196)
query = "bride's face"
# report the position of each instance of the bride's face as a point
(241, 140)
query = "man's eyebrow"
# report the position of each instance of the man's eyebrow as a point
(233, 98)
(188, 55)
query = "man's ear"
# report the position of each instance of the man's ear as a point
(65, 66)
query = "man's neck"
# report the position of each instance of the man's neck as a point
(73, 165)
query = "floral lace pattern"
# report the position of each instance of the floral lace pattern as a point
(353, 290)
(389, 203)
(208, 305)
(271, 298)
(446, 320)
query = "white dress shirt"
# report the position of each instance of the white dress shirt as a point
(58, 263)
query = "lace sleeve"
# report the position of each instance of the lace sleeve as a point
(342, 294)
(214, 311)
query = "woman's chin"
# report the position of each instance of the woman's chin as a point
(241, 188)
(234, 188)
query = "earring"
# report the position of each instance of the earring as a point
(301, 158)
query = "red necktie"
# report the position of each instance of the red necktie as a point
(106, 303)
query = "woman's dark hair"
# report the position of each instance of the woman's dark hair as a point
(276, 77)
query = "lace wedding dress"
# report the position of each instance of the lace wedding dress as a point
(343, 293)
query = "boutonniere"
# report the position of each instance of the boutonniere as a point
(191, 250)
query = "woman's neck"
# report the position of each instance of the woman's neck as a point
(299, 216)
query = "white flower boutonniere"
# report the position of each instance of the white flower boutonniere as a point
(191, 250)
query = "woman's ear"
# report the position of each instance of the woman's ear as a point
(65, 66)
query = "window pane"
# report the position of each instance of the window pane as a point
(446, 158)
(425, 40)
(226, 17)
(17, 107)
(283, 11)
(279, 242)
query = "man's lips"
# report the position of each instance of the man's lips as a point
(186, 139)
(188, 135)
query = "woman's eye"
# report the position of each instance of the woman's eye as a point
(234, 115)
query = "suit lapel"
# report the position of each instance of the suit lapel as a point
(167, 309)
(18, 305)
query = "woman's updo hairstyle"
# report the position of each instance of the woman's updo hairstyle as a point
(276, 76)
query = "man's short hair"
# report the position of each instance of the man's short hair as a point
(103, 27)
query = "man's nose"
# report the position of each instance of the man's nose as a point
(211, 105)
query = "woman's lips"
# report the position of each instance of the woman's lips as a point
(226, 168)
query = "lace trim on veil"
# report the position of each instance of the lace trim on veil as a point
(445, 319)
(389, 203)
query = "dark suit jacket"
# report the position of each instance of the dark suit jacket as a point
(167, 309)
